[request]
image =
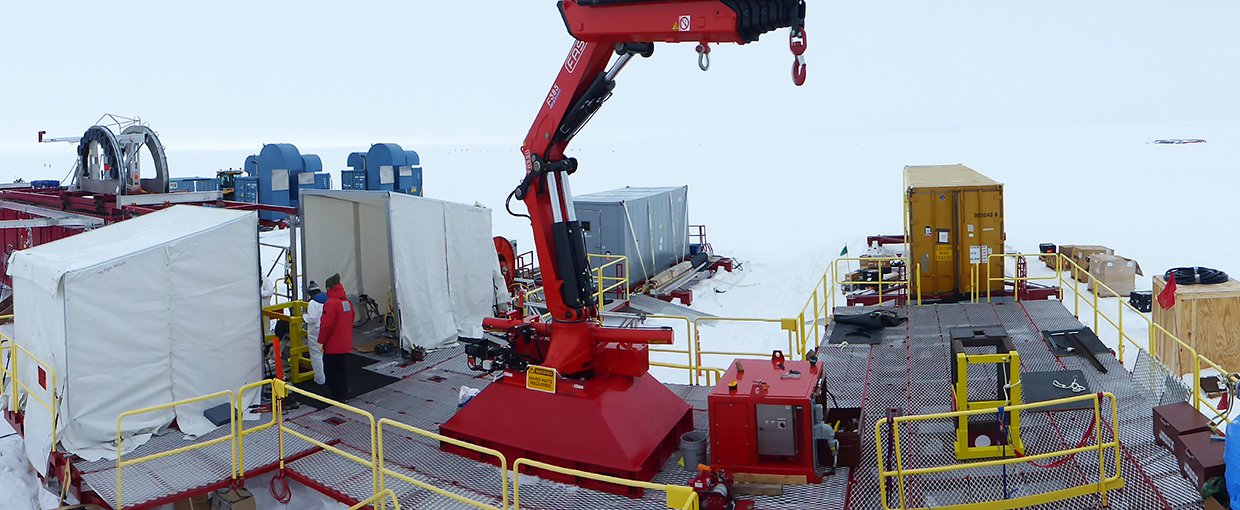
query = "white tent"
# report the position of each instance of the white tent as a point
(146, 311)
(431, 260)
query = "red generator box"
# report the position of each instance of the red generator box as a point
(763, 415)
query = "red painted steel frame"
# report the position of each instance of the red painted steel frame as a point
(617, 420)
(598, 29)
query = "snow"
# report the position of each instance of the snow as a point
(18, 481)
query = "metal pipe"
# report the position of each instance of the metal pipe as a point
(617, 66)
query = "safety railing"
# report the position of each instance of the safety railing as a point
(45, 395)
(121, 462)
(527, 265)
(817, 310)
(382, 498)
(617, 284)
(679, 497)
(242, 432)
(902, 281)
(691, 344)
(789, 326)
(1017, 280)
(894, 472)
(280, 390)
(1065, 270)
(487, 452)
(816, 315)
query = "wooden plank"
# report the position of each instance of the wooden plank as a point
(770, 479)
(758, 489)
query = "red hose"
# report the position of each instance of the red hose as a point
(1084, 439)
(283, 494)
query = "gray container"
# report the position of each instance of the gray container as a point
(650, 226)
(693, 449)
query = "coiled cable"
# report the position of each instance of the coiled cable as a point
(1196, 276)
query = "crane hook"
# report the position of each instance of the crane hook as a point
(798, 42)
(703, 51)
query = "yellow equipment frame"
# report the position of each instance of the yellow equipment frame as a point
(1011, 389)
(299, 366)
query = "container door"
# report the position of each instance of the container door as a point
(933, 234)
(981, 230)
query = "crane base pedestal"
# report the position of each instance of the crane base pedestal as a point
(620, 426)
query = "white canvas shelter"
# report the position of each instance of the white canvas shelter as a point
(143, 312)
(432, 261)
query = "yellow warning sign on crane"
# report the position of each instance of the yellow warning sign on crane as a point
(540, 378)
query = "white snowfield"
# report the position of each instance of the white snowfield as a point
(1057, 99)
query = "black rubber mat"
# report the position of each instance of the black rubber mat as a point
(841, 333)
(1040, 387)
(1059, 344)
(360, 381)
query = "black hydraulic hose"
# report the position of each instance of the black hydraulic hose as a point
(508, 206)
(1196, 276)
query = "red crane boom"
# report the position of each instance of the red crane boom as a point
(610, 416)
(603, 29)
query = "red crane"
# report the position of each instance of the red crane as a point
(610, 364)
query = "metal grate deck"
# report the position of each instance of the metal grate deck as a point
(908, 370)
(912, 373)
(188, 472)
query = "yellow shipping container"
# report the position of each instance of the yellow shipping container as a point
(954, 220)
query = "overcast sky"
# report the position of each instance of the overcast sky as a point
(233, 75)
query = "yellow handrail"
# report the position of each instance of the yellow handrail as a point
(231, 437)
(788, 325)
(1101, 488)
(680, 497)
(621, 281)
(990, 278)
(503, 465)
(691, 342)
(709, 371)
(881, 282)
(17, 387)
(242, 432)
(384, 495)
(1154, 329)
(280, 390)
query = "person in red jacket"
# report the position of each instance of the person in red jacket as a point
(336, 335)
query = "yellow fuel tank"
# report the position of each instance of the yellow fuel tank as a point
(954, 219)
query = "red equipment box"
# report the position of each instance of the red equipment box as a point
(1174, 421)
(762, 418)
(1202, 458)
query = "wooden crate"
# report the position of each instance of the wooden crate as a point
(1207, 318)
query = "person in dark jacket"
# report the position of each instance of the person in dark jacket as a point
(336, 336)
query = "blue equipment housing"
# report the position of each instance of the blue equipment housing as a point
(278, 167)
(385, 167)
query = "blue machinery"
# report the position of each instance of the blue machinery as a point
(385, 167)
(277, 174)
